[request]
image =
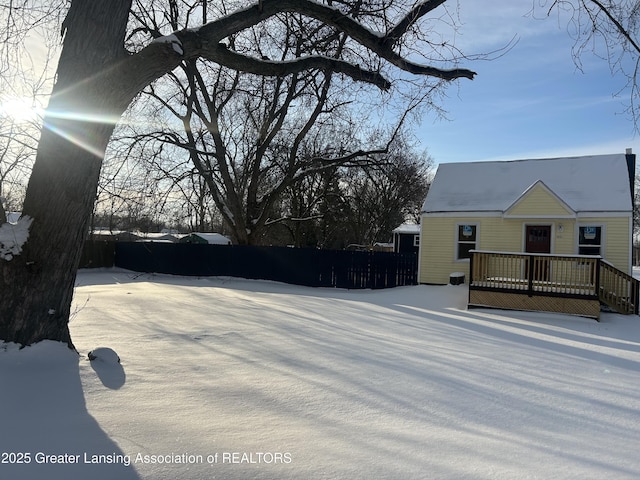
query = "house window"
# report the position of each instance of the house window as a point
(416, 240)
(590, 240)
(466, 241)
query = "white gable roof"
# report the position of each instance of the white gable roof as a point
(407, 228)
(596, 183)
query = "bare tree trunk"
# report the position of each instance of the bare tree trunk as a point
(96, 81)
(38, 285)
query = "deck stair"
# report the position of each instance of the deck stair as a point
(617, 289)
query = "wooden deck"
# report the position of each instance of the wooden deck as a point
(574, 284)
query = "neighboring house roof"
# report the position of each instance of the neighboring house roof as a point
(596, 183)
(409, 228)
(213, 238)
(158, 237)
(117, 235)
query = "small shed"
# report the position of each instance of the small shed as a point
(206, 238)
(406, 238)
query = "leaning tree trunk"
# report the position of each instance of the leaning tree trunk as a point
(96, 81)
(37, 285)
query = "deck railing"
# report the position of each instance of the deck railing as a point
(575, 276)
(617, 289)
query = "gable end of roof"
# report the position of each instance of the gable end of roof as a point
(539, 184)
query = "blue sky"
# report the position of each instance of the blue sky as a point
(532, 102)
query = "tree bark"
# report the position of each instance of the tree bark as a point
(3, 214)
(39, 283)
(96, 81)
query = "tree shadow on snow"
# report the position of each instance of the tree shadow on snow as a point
(47, 431)
(532, 330)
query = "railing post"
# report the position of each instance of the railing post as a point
(597, 292)
(530, 275)
(473, 254)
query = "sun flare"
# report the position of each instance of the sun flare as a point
(19, 109)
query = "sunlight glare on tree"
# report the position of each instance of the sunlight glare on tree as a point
(20, 109)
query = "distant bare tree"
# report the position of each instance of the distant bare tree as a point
(251, 138)
(387, 193)
(361, 204)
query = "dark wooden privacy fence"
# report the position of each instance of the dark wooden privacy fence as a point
(300, 266)
(98, 254)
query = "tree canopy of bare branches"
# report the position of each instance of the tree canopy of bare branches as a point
(251, 137)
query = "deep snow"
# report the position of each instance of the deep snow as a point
(252, 379)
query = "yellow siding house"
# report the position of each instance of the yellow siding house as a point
(565, 206)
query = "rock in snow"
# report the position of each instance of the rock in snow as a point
(104, 354)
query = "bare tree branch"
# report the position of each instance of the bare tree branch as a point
(210, 35)
(161, 57)
(621, 29)
(220, 54)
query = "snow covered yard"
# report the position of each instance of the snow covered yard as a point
(238, 379)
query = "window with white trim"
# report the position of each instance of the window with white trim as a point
(466, 240)
(590, 240)
(416, 240)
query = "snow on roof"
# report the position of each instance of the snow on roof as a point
(407, 228)
(596, 183)
(157, 235)
(214, 238)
